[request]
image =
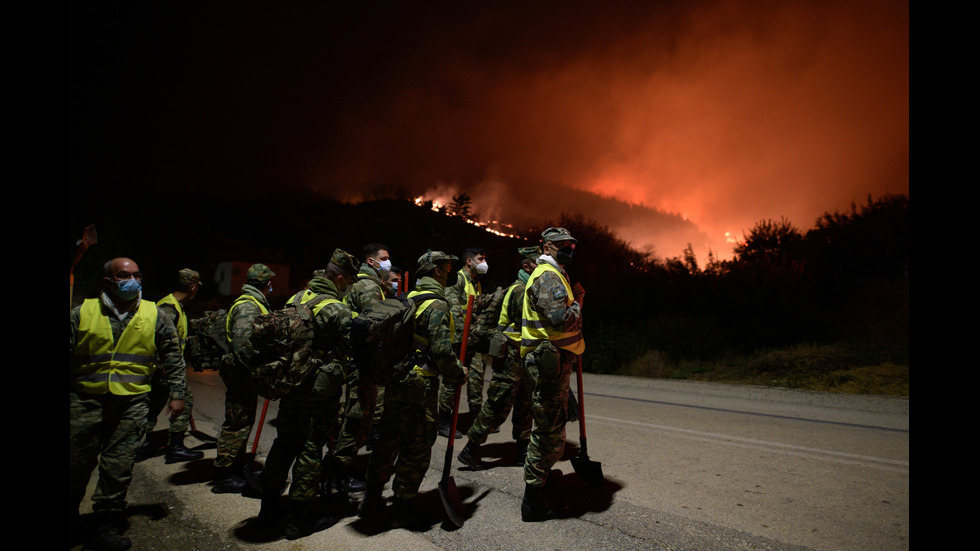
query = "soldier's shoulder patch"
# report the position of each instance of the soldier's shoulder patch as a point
(560, 292)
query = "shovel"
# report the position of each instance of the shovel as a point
(451, 501)
(588, 470)
(250, 475)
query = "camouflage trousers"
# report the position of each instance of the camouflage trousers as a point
(549, 370)
(160, 397)
(506, 391)
(362, 396)
(474, 387)
(110, 426)
(408, 431)
(304, 425)
(241, 401)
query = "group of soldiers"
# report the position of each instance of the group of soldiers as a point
(120, 343)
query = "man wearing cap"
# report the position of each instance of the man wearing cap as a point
(116, 342)
(467, 284)
(506, 388)
(307, 415)
(408, 424)
(240, 398)
(188, 283)
(363, 396)
(551, 338)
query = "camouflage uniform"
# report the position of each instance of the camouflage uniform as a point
(112, 425)
(409, 424)
(159, 394)
(458, 296)
(307, 418)
(548, 365)
(363, 395)
(241, 399)
(506, 389)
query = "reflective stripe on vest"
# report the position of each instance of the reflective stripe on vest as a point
(102, 366)
(181, 318)
(504, 324)
(422, 341)
(535, 330)
(239, 300)
(468, 286)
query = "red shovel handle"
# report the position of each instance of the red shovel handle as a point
(462, 359)
(258, 430)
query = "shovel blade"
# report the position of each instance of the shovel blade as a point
(451, 501)
(588, 470)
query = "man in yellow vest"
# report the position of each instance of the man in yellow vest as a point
(188, 283)
(241, 399)
(551, 338)
(117, 340)
(467, 284)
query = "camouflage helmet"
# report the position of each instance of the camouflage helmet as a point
(319, 273)
(432, 259)
(259, 273)
(557, 234)
(188, 277)
(531, 253)
(344, 260)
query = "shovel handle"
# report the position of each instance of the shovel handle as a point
(452, 426)
(258, 430)
(581, 406)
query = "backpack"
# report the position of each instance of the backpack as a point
(382, 338)
(283, 342)
(483, 324)
(206, 341)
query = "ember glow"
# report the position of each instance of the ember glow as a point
(670, 122)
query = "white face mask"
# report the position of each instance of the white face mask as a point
(482, 267)
(384, 264)
(394, 285)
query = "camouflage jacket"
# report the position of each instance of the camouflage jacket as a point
(242, 316)
(547, 295)
(366, 291)
(457, 297)
(169, 356)
(331, 330)
(434, 323)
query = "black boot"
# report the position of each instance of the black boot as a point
(402, 515)
(521, 455)
(444, 421)
(227, 480)
(533, 507)
(305, 519)
(470, 456)
(107, 536)
(373, 502)
(271, 512)
(146, 450)
(176, 452)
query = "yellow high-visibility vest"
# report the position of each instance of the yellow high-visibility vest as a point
(102, 366)
(181, 318)
(535, 330)
(239, 300)
(504, 324)
(420, 335)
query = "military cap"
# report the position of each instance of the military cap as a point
(259, 273)
(557, 234)
(432, 259)
(530, 252)
(344, 260)
(188, 277)
(319, 273)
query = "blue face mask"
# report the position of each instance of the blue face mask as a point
(128, 289)
(384, 265)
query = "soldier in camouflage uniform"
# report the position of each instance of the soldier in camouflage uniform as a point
(115, 342)
(506, 388)
(364, 397)
(551, 338)
(408, 424)
(241, 399)
(467, 283)
(188, 283)
(307, 416)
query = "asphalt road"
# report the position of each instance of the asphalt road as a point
(687, 465)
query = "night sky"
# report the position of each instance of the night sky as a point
(712, 115)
